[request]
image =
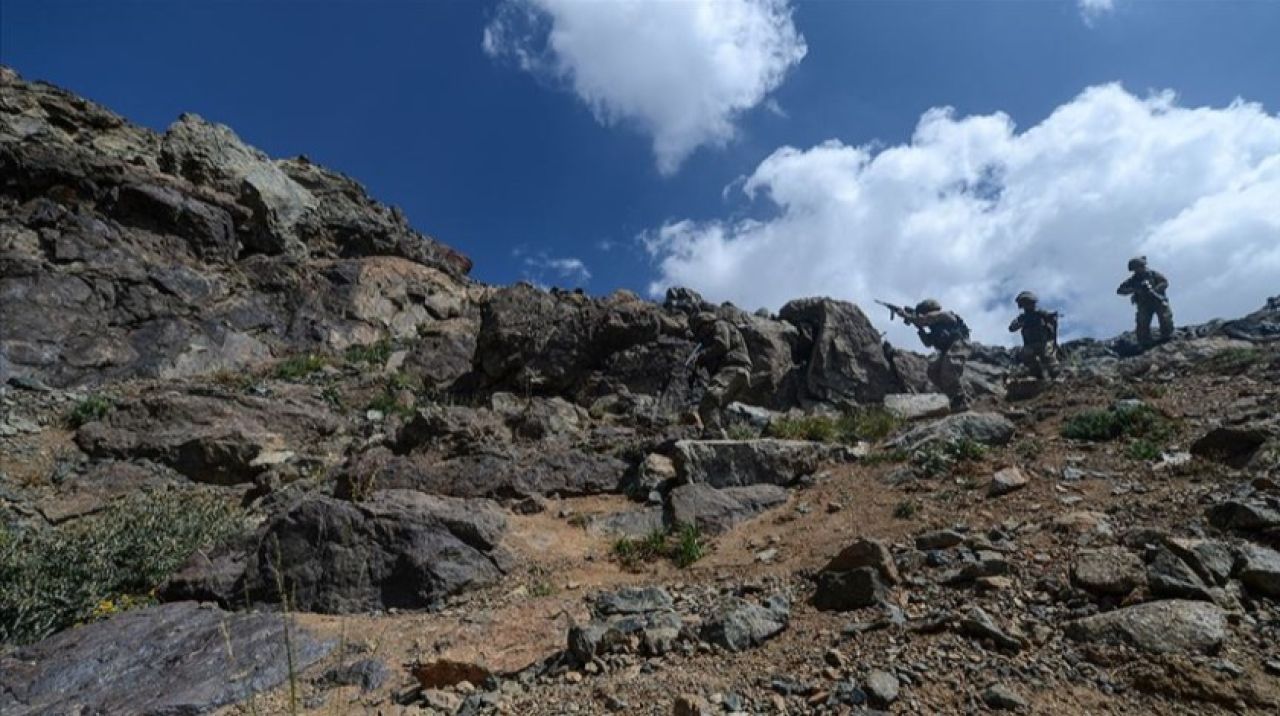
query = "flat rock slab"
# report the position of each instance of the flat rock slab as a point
(985, 428)
(914, 406)
(174, 659)
(713, 510)
(735, 463)
(1171, 626)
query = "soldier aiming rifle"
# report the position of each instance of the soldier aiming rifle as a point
(947, 333)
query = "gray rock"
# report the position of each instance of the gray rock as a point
(1260, 571)
(1211, 560)
(1010, 479)
(1113, 571)
(736, 624)
(633, 600)
(735, 463)
(938, 539)
(882, 688)
(654, 632)
(914, 406)
(985, 428)
(846, 591)
(979, 625)
(865, 552)
(1243, 516)
(1002, 698)
(714, 510)
(180, 658)
(1171, 626)
(1170, 577)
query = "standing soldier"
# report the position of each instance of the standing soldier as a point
(1039, 353)
(946, 333)
(1146, 288)
(724, 354)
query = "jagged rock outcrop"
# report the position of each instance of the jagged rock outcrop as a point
(128, 253)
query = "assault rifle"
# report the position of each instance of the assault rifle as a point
(903, 312)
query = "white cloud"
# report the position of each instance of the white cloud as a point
(1091, 10)
(544, 270)
(971, 212)
(681, 72)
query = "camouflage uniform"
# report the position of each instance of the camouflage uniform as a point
(945, 332)
(1039, 354)
(725, 355)
(1146, 288)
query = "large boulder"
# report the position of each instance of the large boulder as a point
(1171, 626)
(843, 354)
(734, 463)
(179, 658)
(399, 549)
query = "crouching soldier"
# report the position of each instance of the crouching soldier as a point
(724, 354)
(946, 333)
(1039, 354)
(1146, 289)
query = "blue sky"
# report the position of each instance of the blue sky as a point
(512, 165)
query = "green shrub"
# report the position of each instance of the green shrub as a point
(52, 578)
(905, 510)
(300, 366)
(1134, 421)
(816, 428)
(375, 354)
(871, 424)
(92, 408)
(682, 545)
(1144, 449)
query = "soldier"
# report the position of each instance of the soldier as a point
(946, 333)
(1146, 288)
(1039, 353)
(724, 354)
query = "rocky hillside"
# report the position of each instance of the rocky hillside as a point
(264, 448)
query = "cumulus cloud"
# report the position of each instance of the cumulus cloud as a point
(680, 72)
(972, 211)
(1091, 10)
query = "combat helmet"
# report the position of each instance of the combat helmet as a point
(1026, 297)
(1138, 263)
(929, 305)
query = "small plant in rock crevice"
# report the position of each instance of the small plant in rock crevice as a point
(91, 409)
(300, 366)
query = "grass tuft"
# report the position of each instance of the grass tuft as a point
(682, 545)
(300, 366)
